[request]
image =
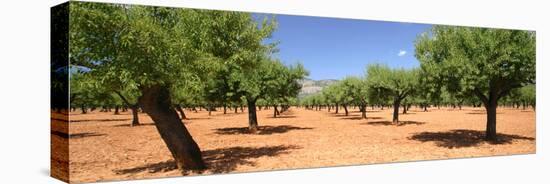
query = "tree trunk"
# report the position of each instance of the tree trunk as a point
(396, 103)
(117, 110)
(252, 119)
(346, 109)
(275, 111)
(224, 109)
(405, 109)
(363, 109)
(156, 102)
(337, 107)
(491, 130)
(83, 109)
(135, 120)
(182, 113)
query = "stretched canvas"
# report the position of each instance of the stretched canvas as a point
(147, 92)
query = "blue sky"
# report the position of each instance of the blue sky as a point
(332, 48)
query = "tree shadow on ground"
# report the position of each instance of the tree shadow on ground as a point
(225, 160)
(130, 125)
(100, 120)
(359, 118)
(221, 160)
(464, 138)
(228, 114)
(262, 130)
(480, 113)
(76, 135)
(344, 115)
(151, 168)
(389, 123)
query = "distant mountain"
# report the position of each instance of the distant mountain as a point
(310, 87)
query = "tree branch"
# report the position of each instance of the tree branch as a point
(123, 99)
(481, 96)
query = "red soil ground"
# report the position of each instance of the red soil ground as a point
(103, 146)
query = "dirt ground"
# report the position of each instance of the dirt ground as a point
(103, 146)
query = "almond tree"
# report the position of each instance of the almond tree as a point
(487, 63)
(396, 84)
(357, 90)
(156, 47)
(269, 77)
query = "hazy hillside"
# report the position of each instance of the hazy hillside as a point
(310, 86)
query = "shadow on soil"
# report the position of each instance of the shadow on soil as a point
(76, 135)
(464, 138)
(481, 112)
(389, 123)
(359, 118)
(130, 125)
(100, 120)
(262, 130)
(221, 160)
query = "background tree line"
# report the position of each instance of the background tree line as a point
(458, 65)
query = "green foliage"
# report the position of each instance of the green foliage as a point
(157, 45)
(355, 90)
(270, 80)
(477, 60)
(391, 83)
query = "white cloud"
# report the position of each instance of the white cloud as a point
(401, 53)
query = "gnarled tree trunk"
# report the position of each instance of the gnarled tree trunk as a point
(396, 103)
(156, 102)
(182, 113)
(363, 109)
(346, 109)
(252, 119)
(135, 119)
(275, 111)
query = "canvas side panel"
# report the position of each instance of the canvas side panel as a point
(59, 91)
